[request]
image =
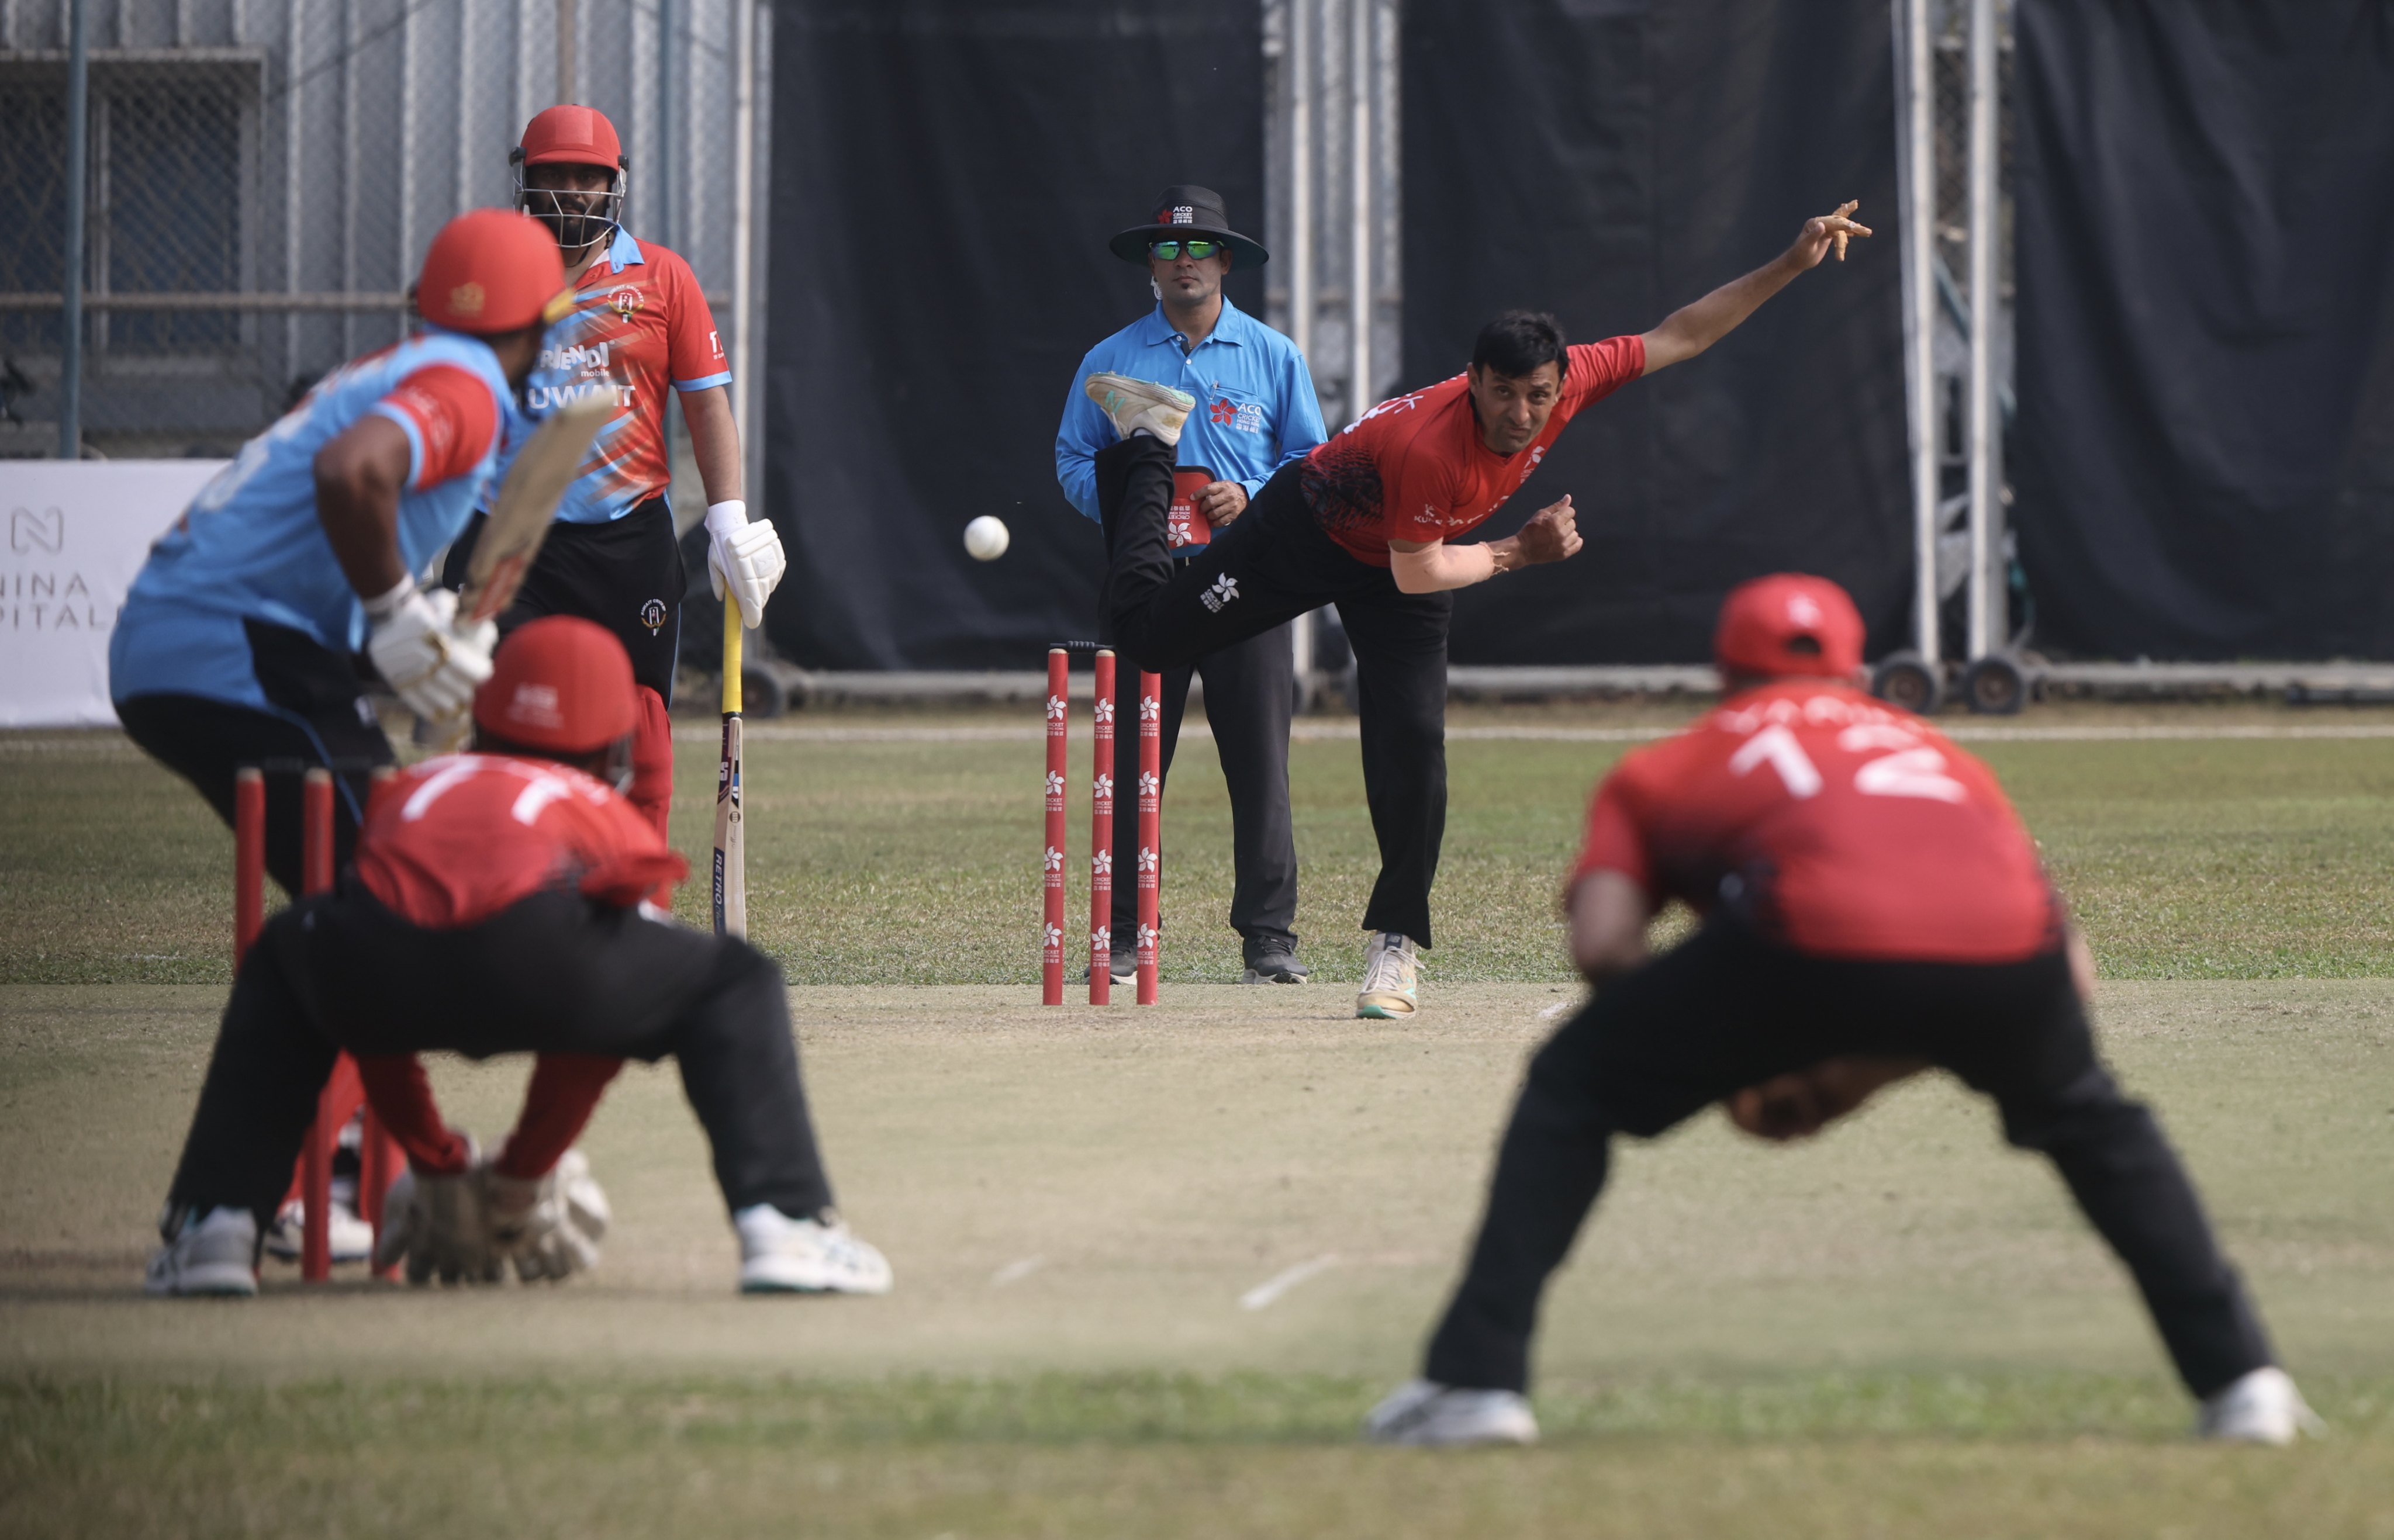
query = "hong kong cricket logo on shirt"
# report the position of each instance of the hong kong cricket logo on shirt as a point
(1225, 589)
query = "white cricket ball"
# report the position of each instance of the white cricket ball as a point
(985, 538)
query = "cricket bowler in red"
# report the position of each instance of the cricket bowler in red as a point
(1872, 906)
(639, 328)
(1369, 521)
(496, 906)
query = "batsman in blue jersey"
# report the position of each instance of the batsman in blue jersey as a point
(238, 642)
(1256, 412)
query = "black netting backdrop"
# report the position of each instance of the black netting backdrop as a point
(2204, 453)
(1610, 161)
(945, 176)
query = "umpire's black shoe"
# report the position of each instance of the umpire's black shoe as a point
(1272, 959)
(1123, 968)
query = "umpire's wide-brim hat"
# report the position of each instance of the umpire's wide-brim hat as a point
(1184, 211)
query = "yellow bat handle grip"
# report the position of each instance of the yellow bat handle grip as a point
(731, 630)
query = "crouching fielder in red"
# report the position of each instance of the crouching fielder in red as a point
(494, 907)
(1872, 906)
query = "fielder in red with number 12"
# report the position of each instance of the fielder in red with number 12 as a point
(1872, 907)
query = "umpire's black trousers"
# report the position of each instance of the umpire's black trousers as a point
(1250, 689)
(1726, 1010)
(1270, 566)
(555, 973)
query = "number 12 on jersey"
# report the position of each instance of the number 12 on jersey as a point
(1913, 769)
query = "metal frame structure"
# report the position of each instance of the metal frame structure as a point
(361, 127)
(1333, 183)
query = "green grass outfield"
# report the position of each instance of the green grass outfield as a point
(1152, 1266)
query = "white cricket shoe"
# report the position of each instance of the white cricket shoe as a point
(1424, 1411)
(780, 1255)
(1136, 404)
(1390, 975)
(2261, 1407)
(215, 1253)
(351, 1237)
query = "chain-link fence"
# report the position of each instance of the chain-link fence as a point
(262, 178)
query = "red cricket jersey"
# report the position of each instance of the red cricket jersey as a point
(641, 325)
(456, 839)
(1414, 468)
(1841, 826)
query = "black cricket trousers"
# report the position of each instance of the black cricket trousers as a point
(1250, 690)
(1270, 566)
(553, 973)
(317, 714)
(1726, 1010)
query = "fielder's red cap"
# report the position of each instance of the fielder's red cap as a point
(571, 135)
(1761, 621)
(493, 270)
(560, 684)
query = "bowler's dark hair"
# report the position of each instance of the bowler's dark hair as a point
(1515, 343)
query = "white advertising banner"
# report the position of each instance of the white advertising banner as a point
(77, 534)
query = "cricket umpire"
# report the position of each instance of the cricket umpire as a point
(1257, 411)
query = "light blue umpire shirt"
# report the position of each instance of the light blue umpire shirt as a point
(1256, 407)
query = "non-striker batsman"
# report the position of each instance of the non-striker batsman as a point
(638, 327)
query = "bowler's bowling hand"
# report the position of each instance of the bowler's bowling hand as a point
(1552, 534)
(1221, 502)
(1818, 236)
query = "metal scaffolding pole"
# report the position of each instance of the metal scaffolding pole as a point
(1916, 165)
(71, 278)
(1298, 63)
(1358, 213)
(1988, 618)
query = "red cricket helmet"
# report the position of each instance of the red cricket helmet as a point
(490, 272)
(560, 685)
(573, 134)
(1789, 623)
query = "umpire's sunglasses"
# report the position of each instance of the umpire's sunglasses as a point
(1170, 250)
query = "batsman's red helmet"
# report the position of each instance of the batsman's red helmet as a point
(1788, 623)
(570, 135)
(490, 272)
(560, 685)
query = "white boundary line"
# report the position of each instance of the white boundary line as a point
(1265, 1294)
(773, 732)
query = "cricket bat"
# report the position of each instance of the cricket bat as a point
(516, 526)
(526, 505)
(730, 837)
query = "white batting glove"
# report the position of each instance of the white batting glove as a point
(748, 554)
(421, 651)
(549, 1228)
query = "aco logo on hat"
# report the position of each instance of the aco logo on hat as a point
(467, 299)
(535, 706)
(1181, 215)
